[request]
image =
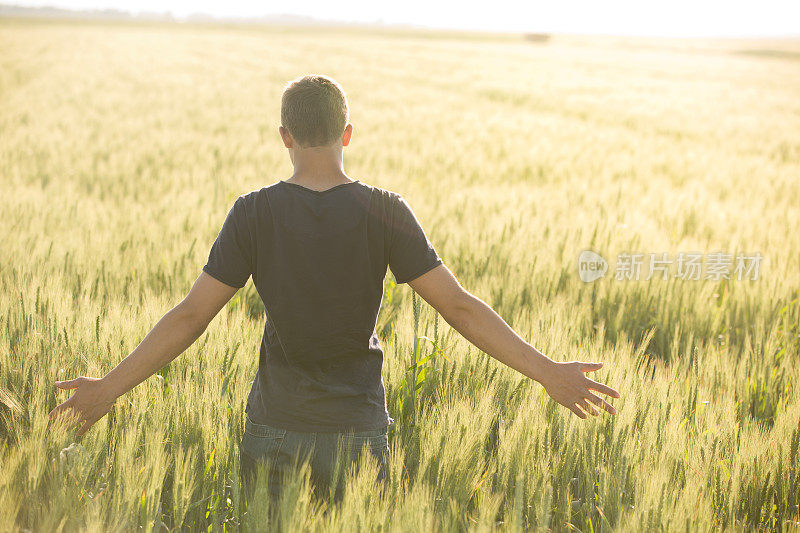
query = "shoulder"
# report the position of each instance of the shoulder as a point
(256, 194)
(386, 192)
(384, 203)
(386, 195)
(255, 199)
(250, 206)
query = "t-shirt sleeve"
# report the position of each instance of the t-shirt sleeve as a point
(411, 254)
(230, 258)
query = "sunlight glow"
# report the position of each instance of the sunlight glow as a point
(679, 18)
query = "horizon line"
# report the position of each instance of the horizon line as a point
(113, 13)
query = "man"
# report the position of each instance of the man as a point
(318, 246)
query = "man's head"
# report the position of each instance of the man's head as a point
(314, 111)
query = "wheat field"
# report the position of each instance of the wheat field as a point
(123, 145)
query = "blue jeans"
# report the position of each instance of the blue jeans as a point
(281, 450)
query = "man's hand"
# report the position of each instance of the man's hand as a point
(90, 402)
(175, 332)
(566, 384)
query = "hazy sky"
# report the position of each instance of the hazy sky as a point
(624, 17)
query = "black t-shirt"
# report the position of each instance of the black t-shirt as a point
(318, 260)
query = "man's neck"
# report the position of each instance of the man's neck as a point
(319, 173)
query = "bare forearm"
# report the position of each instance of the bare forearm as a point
(487, 330)
(175, 332)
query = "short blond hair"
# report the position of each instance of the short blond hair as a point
(314, 110)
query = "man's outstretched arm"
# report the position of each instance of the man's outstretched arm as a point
(565, 382)
(170, 337)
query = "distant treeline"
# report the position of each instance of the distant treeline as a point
(537, 37)
(7, 10)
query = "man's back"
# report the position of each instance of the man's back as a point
(318, 260)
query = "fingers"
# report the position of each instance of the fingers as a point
(588, 407)
(59, 408)
(598, 401)
(64, 414)
(599, 387)
(591, 367)
(69, 384)
(85, 427)
(577, 411)
(68, 419)
(71, 420)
